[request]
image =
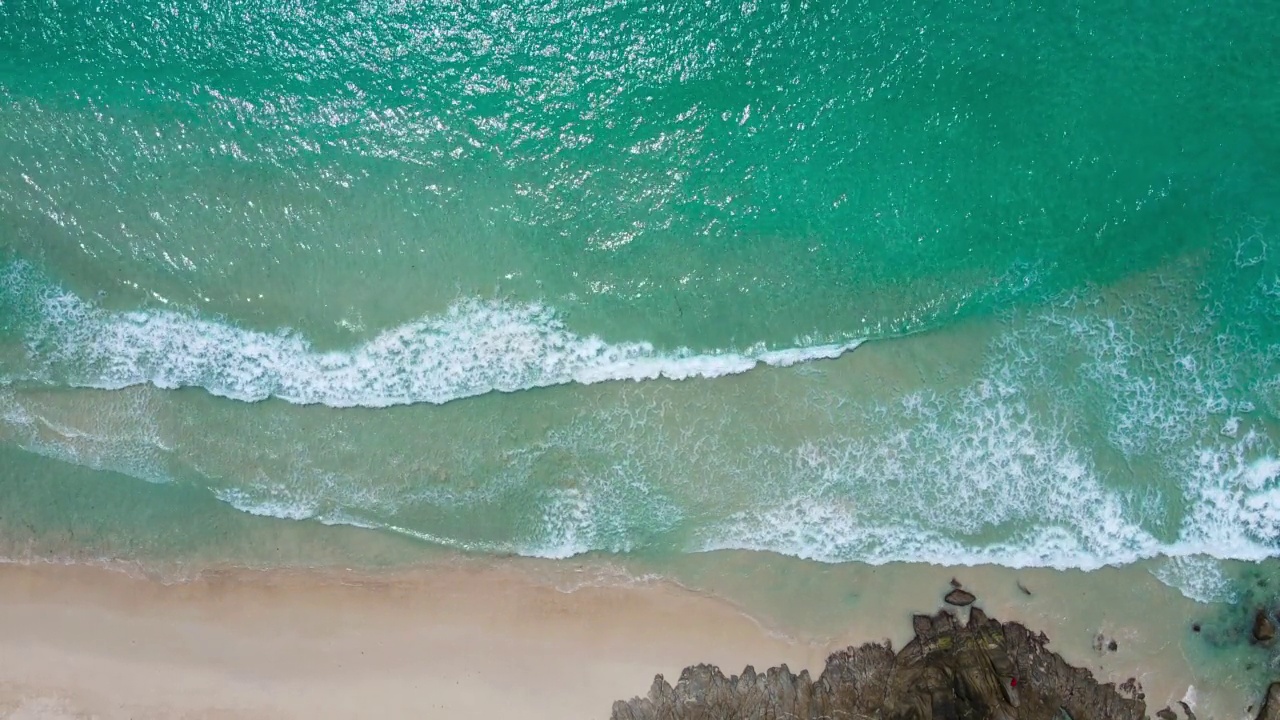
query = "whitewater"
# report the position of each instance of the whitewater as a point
(474, 347)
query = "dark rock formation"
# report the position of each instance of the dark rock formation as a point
(1271, 706)
(1263, 629)
(981, 670)
(1101, 644)
(960, 598)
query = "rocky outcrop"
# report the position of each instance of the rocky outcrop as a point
(1271, 706)
(949, 671)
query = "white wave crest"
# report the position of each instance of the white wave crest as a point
(475, 347)
(1197, 577)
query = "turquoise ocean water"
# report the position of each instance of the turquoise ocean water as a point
(876, 281)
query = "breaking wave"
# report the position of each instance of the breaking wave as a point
(474, 347)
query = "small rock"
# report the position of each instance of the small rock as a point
(1263, 629)
(956, 584)
(960, 597)
(1023, 588)
(1166, 714)
(1113, 646)
(1195, 628)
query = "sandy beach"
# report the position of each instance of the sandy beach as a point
(509, 639)
(458, 643)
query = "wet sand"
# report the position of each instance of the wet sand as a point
(511, 638)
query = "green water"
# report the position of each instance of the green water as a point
(677, 173)
(845, 281)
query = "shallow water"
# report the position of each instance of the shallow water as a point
(1105, 427)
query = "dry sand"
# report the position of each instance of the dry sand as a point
(452, 640)
(448, 642)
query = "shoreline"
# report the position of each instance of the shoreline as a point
(469, 638)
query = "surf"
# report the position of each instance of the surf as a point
(476, 346)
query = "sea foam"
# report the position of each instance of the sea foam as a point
(474, 347)
(1091, 436)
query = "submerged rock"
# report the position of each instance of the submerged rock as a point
(1103, 645)
(1263, 629)
(960, 597)
(948, 671)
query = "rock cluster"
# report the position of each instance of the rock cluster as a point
(949, 671)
